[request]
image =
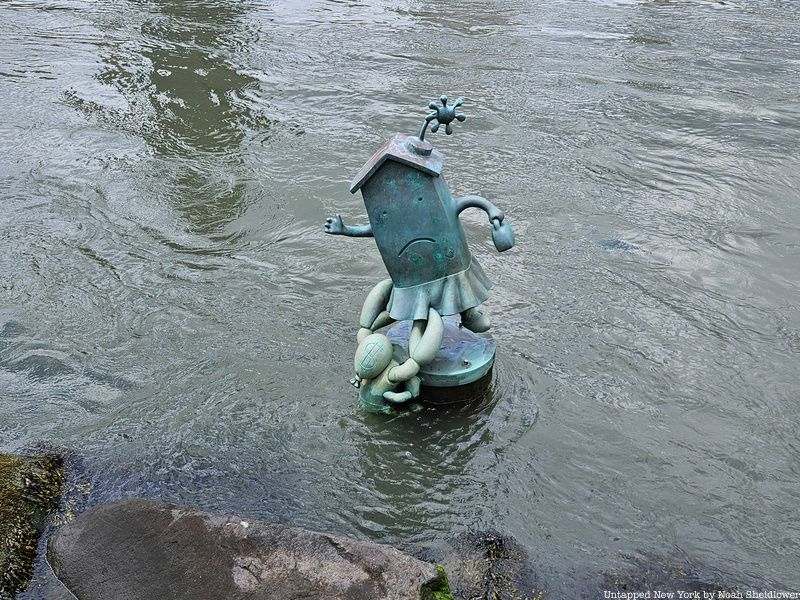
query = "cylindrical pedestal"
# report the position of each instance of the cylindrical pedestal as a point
(464, 357)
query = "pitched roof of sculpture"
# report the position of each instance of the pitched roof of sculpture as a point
(401, 148)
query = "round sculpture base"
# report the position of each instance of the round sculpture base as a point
(464, 357)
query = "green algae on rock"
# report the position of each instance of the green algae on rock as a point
(438, 589)
(487, 565)
(30, 488)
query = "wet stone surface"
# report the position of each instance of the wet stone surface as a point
(30, 488)
(669, 572)
(487, 565)
(491, 565)
(141, 549)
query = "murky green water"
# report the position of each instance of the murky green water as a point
(170, 309)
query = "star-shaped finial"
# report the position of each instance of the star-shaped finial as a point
(443, 115)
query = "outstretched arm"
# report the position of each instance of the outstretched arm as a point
(479, 202)
(502, 234)
(335, 226)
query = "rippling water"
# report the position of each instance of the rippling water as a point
(170, 309)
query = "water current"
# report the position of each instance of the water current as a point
(171, 310)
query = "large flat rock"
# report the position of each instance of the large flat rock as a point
(141, 550)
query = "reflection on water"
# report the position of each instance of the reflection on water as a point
(190, 104)
(415, 468)
(170, 309)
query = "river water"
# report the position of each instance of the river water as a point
(171, 310)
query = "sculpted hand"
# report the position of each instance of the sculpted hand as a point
(397, 397)
(495, 214)
(502, 235)
(334, 225)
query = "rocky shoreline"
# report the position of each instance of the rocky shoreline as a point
(140, 549)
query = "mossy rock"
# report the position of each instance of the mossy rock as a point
(439, 589)
(30, 489)
(487, 565)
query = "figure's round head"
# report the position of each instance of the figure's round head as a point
(373, 355)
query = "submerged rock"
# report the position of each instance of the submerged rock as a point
(140, 549)
(671, 572)
(30, 488)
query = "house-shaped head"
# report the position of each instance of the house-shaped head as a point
(412, 213)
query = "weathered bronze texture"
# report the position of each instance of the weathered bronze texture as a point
(415, 222)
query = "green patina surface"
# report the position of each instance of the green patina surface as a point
(439, 589)
(30, 488)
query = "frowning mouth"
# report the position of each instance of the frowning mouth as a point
(414, 241)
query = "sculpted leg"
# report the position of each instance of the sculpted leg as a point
(373, 313)
(424, 343)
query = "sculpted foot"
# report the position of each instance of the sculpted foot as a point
(475, 320)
